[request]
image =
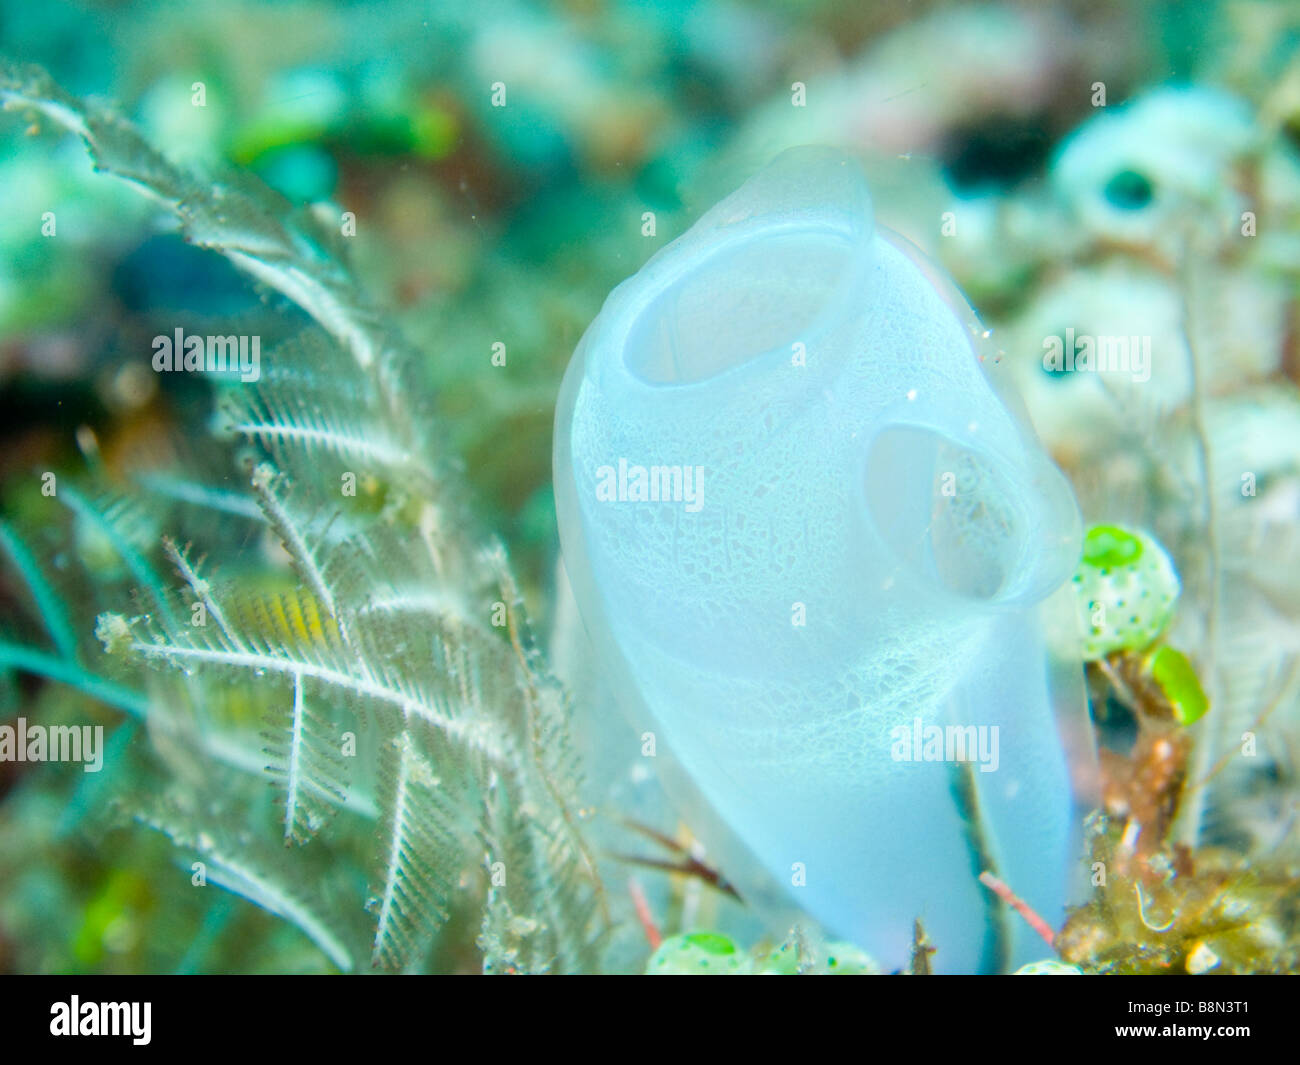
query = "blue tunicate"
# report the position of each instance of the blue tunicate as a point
(803, 530)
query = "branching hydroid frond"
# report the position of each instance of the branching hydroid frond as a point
(199, 588)
(253, 227)
(400, 621)
(309, 402)
(420, 856)
(237, 865)
(305, 758)
(304, 544)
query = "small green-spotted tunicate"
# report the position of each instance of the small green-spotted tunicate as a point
(844, 959)
(838, 959)
(696, 954)
(1126, 587)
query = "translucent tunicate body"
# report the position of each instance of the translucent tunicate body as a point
(803, 530)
